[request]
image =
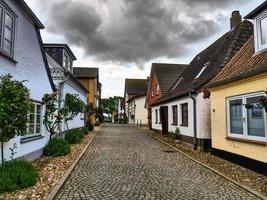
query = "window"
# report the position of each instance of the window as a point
(7, 29)
(178, 82)
(246, 123)
(35, 119)
(174, 115)
(184, 108)
(202, 70)
(261, 32)
(153, 92)
(157, 90)
(156, 113)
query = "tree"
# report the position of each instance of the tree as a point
(73, 106)
(53, 115)
(15, 105)
(109, 105)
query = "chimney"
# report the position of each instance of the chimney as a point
(236, 19)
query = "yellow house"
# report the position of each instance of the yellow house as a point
(89, 77)
(238, 121)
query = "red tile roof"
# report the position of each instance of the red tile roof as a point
(244, 64)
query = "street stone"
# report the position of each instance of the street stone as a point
(124, 163)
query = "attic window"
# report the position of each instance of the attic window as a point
(202, 70)
(178, 82)
(261, 32)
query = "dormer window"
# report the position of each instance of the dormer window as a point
(260, 24)
(202, 70)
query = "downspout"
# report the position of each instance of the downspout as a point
(195, 119)
(60, 91)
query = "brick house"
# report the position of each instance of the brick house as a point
(162, 77)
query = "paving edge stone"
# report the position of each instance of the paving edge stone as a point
(257, 194)
(63, 179)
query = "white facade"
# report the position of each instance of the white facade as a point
(28, 65)
(69, 87)
(203, 117)
(137, 111)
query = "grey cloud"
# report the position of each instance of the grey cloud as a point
(135, 31)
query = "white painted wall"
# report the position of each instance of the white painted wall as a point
(30, 67)
(203, 117)
(140, 111)
(71, 88)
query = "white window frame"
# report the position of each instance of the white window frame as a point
(157, 90)
(5, 12)
(244, 118)
(35, 120)
(257, 31)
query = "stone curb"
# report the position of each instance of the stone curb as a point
(59, 185)
(257, 194)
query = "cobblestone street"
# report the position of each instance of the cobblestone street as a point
(124, 163)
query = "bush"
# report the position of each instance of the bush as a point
(175, 135)
(97, 123)
(17, 174)
(89, 125)
(74, 136)
(85, 131)
(56, 148)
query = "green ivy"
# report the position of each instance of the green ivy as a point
(15, 104)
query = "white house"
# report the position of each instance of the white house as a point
(60, 59)
(22, 55)
(187, 105)
(135, 99)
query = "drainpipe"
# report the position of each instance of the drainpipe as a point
(60, 92)
(195, 119)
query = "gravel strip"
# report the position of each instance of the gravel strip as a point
(50, 172)
(242, 175)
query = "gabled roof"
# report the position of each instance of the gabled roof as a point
(243, 65)
(214, 57)
(64, 46)
(257, 10)
(167, 74)
(22, 4)
(136, 86)
(85, 72)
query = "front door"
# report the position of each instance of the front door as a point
(164, 119)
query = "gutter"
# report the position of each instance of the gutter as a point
(60, 90)
(195, 119)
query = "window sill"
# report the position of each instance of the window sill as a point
(246, 140)
(31, 139)
(184, 125)
(174, 124)
(8, 57)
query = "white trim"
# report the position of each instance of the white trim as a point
(245, 118)
(257, 31)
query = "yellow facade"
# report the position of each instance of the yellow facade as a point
(219, 95)
(91, 86)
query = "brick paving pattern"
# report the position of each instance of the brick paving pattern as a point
(123, 163)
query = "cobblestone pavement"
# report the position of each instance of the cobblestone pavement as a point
(124, 163)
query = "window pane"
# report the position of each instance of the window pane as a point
(264, 31)
(8, 21)
(1, 13)
(31, 118)
(38, 128)
(31, 129)
(38, 118)
(39, 108)
(7, 47)
(8, 34)
(236, 116)
(255, 117)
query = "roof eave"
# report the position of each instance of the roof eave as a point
(256, 11)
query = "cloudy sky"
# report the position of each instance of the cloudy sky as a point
(123, 37)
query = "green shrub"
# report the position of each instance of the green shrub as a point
(97, 123)
(17, 174)
(74, 136)
(85, 130)
(175, 135)
(56, 148)
(90, 126)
